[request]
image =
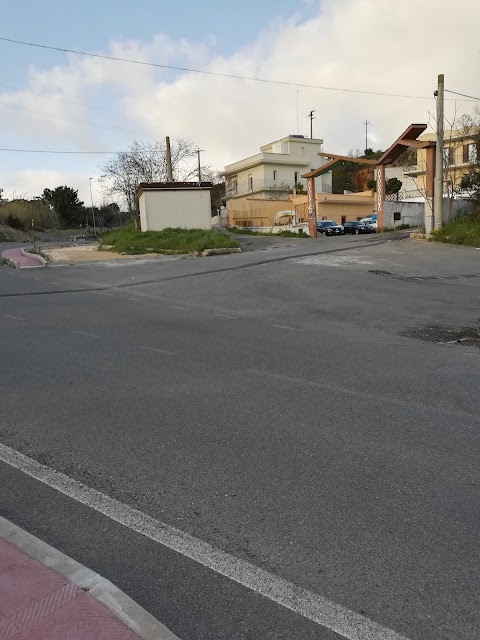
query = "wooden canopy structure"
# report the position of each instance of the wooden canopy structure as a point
(403, 142)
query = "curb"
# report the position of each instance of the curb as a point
(221, 251)
(107, 594)
(10, 262)
(35, 256)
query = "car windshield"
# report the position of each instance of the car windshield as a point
(329, 223)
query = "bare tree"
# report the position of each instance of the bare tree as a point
(147, 162)
(459, 129)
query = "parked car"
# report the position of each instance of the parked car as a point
(358, 227)
(330, 228)
(371, 221)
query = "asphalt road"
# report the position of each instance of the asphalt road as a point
(266, 403)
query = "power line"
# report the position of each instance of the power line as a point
(462, 94)
(212, 73)
(41, 95)
(55, 151)
(82, 122)
(62, 152)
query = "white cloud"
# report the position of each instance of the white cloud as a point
(394, 47)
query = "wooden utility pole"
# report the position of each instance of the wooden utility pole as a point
(169, 161)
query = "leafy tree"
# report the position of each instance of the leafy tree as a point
(393, 185)
(372, 184)
(64, 201)
(471, 183)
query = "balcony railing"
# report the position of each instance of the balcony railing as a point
(275, 188)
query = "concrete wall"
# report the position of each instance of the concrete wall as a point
(411, 213)
(162, 208)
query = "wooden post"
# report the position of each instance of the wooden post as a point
(312, 208)
(380, 171)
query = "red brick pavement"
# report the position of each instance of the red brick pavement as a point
(37, 603)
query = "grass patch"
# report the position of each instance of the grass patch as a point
(245, 231)
(132, 242)
(400, 227)
(463, 230)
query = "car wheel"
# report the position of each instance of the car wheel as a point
(357, 231)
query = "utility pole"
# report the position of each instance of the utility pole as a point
(169, 161)
(93, 212)
(366, 123)
(312, 118)
(438, 192)
(199, 151)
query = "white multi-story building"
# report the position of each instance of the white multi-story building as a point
(276, 171)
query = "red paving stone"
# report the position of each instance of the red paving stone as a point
(36, 603)
(23, 261)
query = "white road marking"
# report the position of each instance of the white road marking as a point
(104, 293)
(344, 622)
(84, 333)
(282, 326)
(155, 350)
(135, 300)
(172, 306)
(224, 315)
(6, 315)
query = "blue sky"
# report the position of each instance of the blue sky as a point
(59, 101)
(90, 24)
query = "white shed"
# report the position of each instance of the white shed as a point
(174, 204)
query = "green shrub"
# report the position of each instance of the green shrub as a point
(463, 230)
(13, 221)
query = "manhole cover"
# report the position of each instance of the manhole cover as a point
(467, 336)
(379, 272)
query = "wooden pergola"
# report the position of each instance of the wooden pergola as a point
(406, 140)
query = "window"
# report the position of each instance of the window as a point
(470, 152)
(449, 155)
(296, 177)
(274, 174)
(397, 216)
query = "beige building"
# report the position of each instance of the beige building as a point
(252, 212)
(276, 171)
(461, 153)
(174, 204)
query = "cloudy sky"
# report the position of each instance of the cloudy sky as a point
(50, 100)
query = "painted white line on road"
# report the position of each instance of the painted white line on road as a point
(84, 333)
(104, 293)
(172, 306)
(281, 326)
(346, 623)
(6, 315)
(224, 315)
(135, 300)
(155, 350)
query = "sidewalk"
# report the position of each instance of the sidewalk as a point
(17, 258)
(39, 603)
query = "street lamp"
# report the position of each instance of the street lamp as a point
(93, 212)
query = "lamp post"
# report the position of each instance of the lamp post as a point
(93, 212)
